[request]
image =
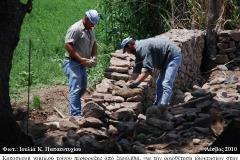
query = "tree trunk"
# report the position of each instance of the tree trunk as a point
(213, 15)
(12, 13)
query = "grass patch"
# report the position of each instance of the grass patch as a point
(46, 26)
(36, 102)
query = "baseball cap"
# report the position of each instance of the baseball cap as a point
(93, 16)
(125, 41)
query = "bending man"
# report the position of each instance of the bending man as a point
(154, 53)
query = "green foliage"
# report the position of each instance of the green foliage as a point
(36, 102)
(139, 19)
(193, 14)
(232, 14)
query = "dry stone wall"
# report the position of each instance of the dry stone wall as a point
(191, 43)
(228, 46)
(112, 88)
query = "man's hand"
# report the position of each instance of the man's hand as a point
(133, 84)
(92, 62)
(89, 62)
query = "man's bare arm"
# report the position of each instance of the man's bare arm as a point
(74, 55)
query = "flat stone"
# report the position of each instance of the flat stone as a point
(91, 122)
(89, 144)
(224, 39)
(142, 117)
(153, 111)
(66, 125)
(199, 93)
(202, 130)
(226, 51)
(98, 133)
(108, 81)
(98, 95)
(112, 130)
(117, 76)
(127, 127)
(114, 107)
(196, 141)
(92, 109)
(121, 84)
(53, 125)
(217, 80)
(119, 55)
(128, 92)
(119, 62)
(138, 149)
(124, 114)
(53, 139)
(222, 67)
(222, 45)
(221, 59)
(202, 122)
(203, 104)
(137, 98)
(224, 33)
(179, 119)
(178, 110)
(172, 136)
(161, 124)
(206, 86)
(96, 100)
(143, 127)
(231, 113)
(235, 35)
(232, 44)
(111, 98)
(117, 69)
(188, 97)
(103, 87)
(190, 116)
(136, 106)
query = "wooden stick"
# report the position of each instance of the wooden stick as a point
(208, 96)
(60, 113)
(216, 68)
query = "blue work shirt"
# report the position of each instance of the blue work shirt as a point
(154, 53)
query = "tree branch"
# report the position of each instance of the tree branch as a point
(27, 7)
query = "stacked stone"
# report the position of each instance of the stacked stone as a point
(121, 129)
(112, 92)
(191, 43)
(228, 46)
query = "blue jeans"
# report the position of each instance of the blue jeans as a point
(166, 79)
(77, 81)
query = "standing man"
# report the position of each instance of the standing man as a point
(154, 53)
(81, 52)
